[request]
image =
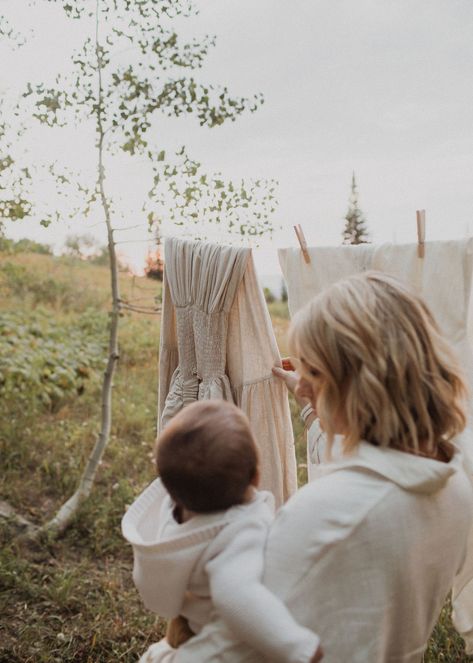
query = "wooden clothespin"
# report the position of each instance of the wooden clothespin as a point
(420, 214)
(302, 242)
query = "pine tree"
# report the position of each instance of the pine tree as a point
(356, 230)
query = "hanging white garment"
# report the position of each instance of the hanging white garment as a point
(328, 264)
(443, 278)
(217, 342)
(202, 280)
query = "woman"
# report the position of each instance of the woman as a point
(366, 554)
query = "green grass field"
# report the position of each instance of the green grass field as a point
(73, 600)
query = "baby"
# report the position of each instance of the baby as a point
(198, 534)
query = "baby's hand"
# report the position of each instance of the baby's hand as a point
(318, 656)
(178, 632)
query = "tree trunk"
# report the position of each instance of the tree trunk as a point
(67, 511)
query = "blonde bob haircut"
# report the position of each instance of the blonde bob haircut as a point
(380, 366)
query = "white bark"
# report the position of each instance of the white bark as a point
(67, 511)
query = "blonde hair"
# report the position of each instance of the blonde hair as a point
(382, 367)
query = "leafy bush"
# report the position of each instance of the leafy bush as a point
(102, 258)
(45, 362)
(154, 268)
(139, 341)
(279, 310)
(284, 293)
(268, 295)
(45, 289)
(23, 246)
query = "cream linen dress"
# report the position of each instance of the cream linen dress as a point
(217, 342)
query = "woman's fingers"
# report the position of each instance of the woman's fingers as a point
(289, 377)
(287, 364)
(291, 380)
(280, 372)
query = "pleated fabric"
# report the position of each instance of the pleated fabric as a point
(443, 278)
(217, 342)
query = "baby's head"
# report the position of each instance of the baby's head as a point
(207, 457)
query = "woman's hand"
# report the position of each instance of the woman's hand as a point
(291, 380)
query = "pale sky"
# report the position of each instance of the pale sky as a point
(381, 87)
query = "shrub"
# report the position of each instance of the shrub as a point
(278, 310)
(23, 246)
(283, 292)
(154, 267)
(45, 363)
(268, 295)
(102, 258)
(45, 289)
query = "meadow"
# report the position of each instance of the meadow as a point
(73, 599)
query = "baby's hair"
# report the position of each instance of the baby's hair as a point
(207, 457)
(383, 367)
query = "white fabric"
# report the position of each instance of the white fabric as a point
(444, 279)
(202, 280)
(212, 562)
(217, 341)
(158, 652)
(317, 450)
(366, 554)
(328, 264)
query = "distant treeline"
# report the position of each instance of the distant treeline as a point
(12, 246)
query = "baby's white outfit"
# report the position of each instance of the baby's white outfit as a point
(212, 564)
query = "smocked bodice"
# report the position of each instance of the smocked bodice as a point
(203, 279)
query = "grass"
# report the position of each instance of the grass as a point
(73, 600)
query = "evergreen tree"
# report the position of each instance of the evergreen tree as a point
(283, 292)
(356, 230)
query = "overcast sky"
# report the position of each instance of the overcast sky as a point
(381, 87)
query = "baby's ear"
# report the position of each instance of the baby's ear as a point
(256, 478)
